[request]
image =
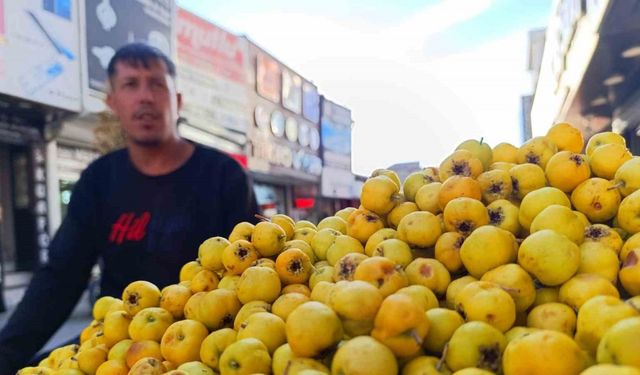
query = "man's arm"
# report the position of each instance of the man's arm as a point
(56, 287)
(238, 199)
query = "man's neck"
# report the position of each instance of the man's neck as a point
(161, 159)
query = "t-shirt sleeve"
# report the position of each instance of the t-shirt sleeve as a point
(56, 287)
(238, 199)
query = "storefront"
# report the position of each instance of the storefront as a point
(212, 77)
(339, 188)
(590, 74)
(283, 142)
(39, 88)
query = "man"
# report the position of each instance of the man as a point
(142, 210)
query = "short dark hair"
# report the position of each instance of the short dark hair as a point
(139, 53)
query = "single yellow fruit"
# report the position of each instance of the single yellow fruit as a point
(620, 344)
(259, 284)
(505, 152)
(241, 231)
(597, 198)
(526, 178)
(143, 349)
(606, 159)
(293, 266)
(515, 281)
(419, 229)
(102, 306)
(566, 137)
(362, 223)
(427, 197)
(150, 324)
(475, 344)
(415, 181)
(538, 200)
(189, 270)
(442, 324)
(238, 256)
(596, 316)
(430, 273)
(487, 248)
(630, 273)
(550, 256)
(382, 273)
(604, 235)
(607, 369)
(543, 352)
(398, 212)
(495, 184)
(629, 213)
(479, 149)
(266, 327)
(268, 239)
(504, 215)
(487, 302)
(464, 215)
(182, 340)
(598, 259)
(553, 316)
(421, 296)
(454, 288)
(604, 138)
(173, 298)
(562, 220)
(447, 250)
(245, 357)
(210, 253)
(400, 325)
(537, 150)
(460, 163)
(311, 328)
(379, 194)
(566, 170)
(457, 187)
(286, 303)
(364, 355)
(213, 345)
(627, 177)
(333, 222)
(139, 295)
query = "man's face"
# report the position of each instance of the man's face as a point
(145, 101)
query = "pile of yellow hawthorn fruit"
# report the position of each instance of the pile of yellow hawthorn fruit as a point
(504, 260)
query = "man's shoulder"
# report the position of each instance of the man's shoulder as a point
(107, 162)
(217, 157)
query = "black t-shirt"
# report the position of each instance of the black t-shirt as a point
(140, 227)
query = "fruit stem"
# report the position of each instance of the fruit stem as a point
(616, 186)
(481, 139)
(442, 357)
(261, 218)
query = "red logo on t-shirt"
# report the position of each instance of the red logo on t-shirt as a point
(128, 227)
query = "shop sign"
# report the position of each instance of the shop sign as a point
(291, 91)
(264, 152)
(18, 133)
(110, 24)
(310, 102)
(39, 52)
(40, 206)
(268, 78)
(213, 82)
(335, 132)
(338, 183)
(568, 13)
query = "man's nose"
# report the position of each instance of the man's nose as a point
(145, 94)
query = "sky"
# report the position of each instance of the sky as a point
(420, 76)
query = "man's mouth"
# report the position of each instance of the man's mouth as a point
(146, 115)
